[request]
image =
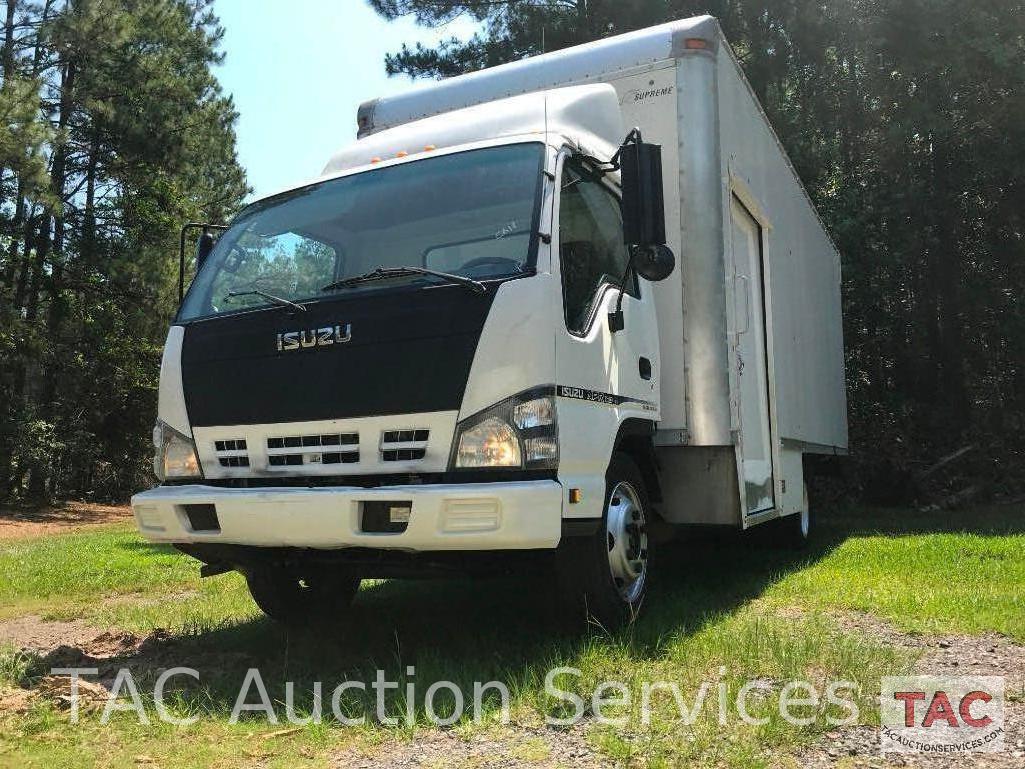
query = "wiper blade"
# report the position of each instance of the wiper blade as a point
(269, 297)
(382, 273)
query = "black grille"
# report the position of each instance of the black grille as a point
(405, 436)
(231, 453)
(402, 455)
(343, 448)
(404, 445)
(285, 459)
(301, 441)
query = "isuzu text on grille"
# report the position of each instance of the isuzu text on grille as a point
(314, 337)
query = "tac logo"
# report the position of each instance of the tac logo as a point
(935, 714)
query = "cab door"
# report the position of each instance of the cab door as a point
(603, 378)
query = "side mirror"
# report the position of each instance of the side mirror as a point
(204, 246)
(644, 214)
(654, 263)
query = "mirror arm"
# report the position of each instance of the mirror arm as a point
(634, 137)
(616, 320)
(604, 167)
(205, 227)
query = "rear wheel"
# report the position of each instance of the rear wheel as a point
(606, 575)
(794, 531)
(294, 600)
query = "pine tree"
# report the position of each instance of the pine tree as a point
(118, 132)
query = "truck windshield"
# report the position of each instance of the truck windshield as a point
(470, 213)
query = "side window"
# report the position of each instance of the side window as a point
(591, 248)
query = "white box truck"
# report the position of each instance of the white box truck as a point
(467, 346)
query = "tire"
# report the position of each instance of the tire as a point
(299, 601)
(604, 577)
(794, 531)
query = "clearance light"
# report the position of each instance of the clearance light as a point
(695, 44)
(401, 154)
(375, 160)
(430, 148)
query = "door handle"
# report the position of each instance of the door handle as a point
(746, 293)
(644, 368)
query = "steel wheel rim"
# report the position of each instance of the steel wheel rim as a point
(627, 539)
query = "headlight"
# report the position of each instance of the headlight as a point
(175, 454)
(520, 432)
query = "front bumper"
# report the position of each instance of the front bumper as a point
(523, 515)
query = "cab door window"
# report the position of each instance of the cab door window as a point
(591, 249)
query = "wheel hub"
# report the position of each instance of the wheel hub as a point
(627, 537)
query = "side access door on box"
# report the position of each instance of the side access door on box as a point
(751, 349)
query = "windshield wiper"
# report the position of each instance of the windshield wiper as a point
(269, 297)
(382, 273)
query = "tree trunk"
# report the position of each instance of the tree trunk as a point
(8, 55)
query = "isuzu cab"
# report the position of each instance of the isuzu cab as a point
(538, 314)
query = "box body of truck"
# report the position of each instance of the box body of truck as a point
(336, 428)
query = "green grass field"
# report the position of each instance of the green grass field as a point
(725, 610)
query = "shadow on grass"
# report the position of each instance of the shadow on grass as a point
(464, 631)
(984, 520)
(508, 630)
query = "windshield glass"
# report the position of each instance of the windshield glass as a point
(470, 213)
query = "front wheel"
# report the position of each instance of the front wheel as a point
(293, 600)
(606, 575)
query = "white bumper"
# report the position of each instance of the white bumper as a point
(486, 516)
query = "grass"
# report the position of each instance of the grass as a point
(726, 611)
(71, 575)
(15, 665)
(932, 573)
